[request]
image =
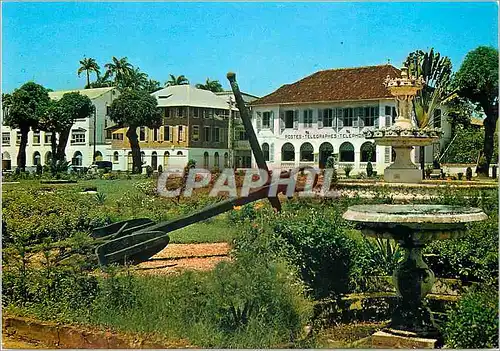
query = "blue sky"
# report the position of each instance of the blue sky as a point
(266, 44)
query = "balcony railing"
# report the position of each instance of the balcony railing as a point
(241, 144)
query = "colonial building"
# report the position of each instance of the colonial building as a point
(194, 127)
(88, 136)
(303, 123)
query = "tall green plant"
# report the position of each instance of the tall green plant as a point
(435, 70)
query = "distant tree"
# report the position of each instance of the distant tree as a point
(136, 80)
(435, 70)
(133, 109)
(152, 86)
(477, 81)
(60, 117)
(88, 65)
(212, 85)
(27, 104)
(6, 102)
(180, 80)
(119, 69)
(102, 82)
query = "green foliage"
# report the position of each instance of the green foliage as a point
(347, 169)
(466, 146)
(135, 108)
(477, 78)
(468, 173)
(179, 80)
(88, 65)
(100, 198)
(369, 169)
(212, 85)
(26, 105)
(473, 323)
(149, 171)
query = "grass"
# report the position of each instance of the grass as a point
(211, 231)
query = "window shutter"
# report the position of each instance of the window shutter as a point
(340, 118)
(296, 119)
(387, 154)
(259, 121)
(185, 134)
(161, 129)
(320, 118)
(271, 121)
(271, 153)
(171, 130)
(387, 121)
(282, 121)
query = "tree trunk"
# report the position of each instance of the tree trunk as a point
(88, 80)
(136, 150)
(21, 156)
(490, 123)
(422, 160)
(61, 146)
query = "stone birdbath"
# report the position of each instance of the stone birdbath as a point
(413, 226)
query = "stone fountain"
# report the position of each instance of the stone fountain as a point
(403, 135)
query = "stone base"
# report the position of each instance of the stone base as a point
(402, 175)
(401, 340)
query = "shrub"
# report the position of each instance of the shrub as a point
(160, 169)
(149, 171)
(369, 169)
(347, 169)
(468, 173)
(428, 171)
(460, 175)
(473, 323)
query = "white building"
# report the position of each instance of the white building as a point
(303, 123)
(88, 135)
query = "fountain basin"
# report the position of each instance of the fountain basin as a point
(413, 226)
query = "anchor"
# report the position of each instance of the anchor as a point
(137, 240)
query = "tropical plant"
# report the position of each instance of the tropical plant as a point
(212, 85)
(152, 85)
(477, 81)
(120, 69)
(135, 80)
(26, 105)
(102, 82)
(179, 80)
(132, 109)
(88, 65)
(347, 170)
(369, 169)
(435, 71)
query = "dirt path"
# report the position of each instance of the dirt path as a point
(176, 257)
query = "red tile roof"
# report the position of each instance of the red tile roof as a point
(344, 84)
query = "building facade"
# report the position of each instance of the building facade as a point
(303, 123)
(194, 127)
(88, 136)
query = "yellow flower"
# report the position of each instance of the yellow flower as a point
(258, 205)
(236, 208)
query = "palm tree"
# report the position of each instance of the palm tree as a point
(120, 69)
(88, 65)
(136, 80)
(212, 85)
(180, 80)
(435, 70)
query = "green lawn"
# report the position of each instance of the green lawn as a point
(213, 231)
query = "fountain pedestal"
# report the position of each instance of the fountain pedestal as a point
(413, 226)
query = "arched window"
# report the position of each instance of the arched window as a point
(307, 152)
(226, 159)
(48, 157)
(166, 155)
(325, 151)
(287, 152)
(265, 151)
(346, 152)
(77, 159)
(115, 156)
(368, 152)
(98, 156)
(37, 158)
(216, 160)
(154, 160)
(205, 160)
(179, 153)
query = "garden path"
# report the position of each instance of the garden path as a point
(177, 257)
